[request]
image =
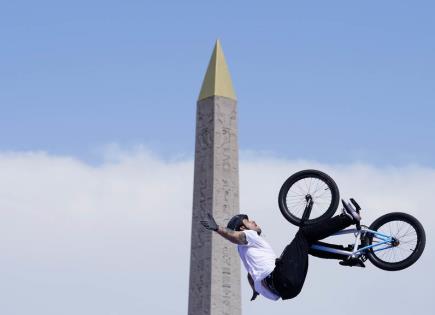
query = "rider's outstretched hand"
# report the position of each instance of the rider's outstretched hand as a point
(210, 224)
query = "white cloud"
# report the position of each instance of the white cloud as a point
(115, 238)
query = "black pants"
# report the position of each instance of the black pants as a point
(291, 268)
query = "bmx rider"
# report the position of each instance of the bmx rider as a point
(283, 277)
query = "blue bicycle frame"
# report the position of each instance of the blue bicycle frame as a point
(359, 234)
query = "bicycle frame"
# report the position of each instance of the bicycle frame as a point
(359, 234)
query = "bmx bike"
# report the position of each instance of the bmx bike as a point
(392, 242)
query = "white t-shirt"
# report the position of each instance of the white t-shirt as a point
(259, 260)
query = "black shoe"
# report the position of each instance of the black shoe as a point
(351, 262)
(350, 212)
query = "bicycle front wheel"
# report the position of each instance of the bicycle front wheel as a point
(318, 186)
(409, 240)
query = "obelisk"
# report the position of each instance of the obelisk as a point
(214, 286)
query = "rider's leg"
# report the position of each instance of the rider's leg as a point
(291, 268)
(318, 231)
(323, 254)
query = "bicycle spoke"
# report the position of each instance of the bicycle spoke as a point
(316, 189)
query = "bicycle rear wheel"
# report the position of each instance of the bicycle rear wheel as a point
(302, 186)
(409, 240)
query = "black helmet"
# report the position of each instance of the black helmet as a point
(236, 222)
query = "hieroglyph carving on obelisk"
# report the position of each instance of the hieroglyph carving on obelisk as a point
(214, 286)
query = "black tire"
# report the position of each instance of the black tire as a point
(411, 239)
(292, 208)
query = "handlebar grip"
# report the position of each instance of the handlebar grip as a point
(358, 208)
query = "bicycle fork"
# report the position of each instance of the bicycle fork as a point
(308, 209)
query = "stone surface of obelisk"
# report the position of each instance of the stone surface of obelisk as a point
(214, 286)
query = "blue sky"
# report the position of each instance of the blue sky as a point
(329, 81)
(105, 93)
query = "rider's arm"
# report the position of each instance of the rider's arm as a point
(236, 237)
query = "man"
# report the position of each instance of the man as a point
(283, 277)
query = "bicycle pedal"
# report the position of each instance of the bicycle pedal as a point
(349, 247)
